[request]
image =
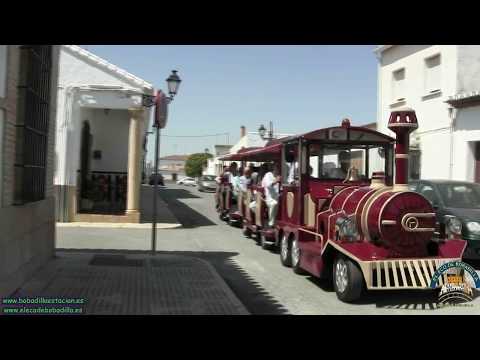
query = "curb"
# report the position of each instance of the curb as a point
(118, 225)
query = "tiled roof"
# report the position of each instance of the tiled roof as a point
(108, 66)
(175, 157)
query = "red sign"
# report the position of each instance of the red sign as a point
(161, 110)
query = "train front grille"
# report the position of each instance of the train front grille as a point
(403, 273)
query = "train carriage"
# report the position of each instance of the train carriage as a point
(345, 211)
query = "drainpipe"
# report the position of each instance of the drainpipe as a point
(452, 112)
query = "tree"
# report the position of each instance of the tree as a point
(195, 163)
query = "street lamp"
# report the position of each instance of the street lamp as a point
(262, 131)
(160, 101)
(173, 83)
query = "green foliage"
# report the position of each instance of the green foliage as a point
(195, 163)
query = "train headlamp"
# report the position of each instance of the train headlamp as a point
(473, 227)
(453, 226)
(347, 228)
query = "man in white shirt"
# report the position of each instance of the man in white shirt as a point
(270, 184)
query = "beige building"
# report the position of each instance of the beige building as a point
(28, 97)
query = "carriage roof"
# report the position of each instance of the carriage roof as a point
(342, 133)
(273, 148)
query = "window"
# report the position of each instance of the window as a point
(398, 85)
(290, 171)
(334, 161)
(432, 74)
(465, 196)
(32, 123)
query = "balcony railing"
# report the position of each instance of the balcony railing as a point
(102, 192)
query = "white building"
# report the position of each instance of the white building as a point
(247, 140)
(442, 84)
(100, 139)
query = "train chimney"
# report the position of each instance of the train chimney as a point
(243, 131)
(402, 122)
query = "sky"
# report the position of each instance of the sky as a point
(298, 88)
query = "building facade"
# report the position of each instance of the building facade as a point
(28, 99)
(101, 138)
(172, 167)
(442, 84)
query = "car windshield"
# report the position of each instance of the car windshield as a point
(208, 178)
(465, 196)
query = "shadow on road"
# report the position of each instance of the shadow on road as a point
(392, 299)
(255, 298)
(187, 216)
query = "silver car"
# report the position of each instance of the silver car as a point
(207, 183)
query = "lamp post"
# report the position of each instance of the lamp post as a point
(262, 130)
(160, 101)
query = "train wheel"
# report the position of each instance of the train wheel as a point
(347, 279)
(285, 251)
(296, 258)
(246, 231)
(265, 246)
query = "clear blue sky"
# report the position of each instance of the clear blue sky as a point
(299, 88)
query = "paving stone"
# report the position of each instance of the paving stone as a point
(136, 285)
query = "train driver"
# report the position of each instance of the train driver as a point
(342, 171)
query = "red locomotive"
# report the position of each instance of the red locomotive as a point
(340, 214)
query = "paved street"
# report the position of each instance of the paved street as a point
(255, 275)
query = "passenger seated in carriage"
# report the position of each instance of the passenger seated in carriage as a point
(271, 183)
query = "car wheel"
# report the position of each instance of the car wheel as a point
(347, 279)
(296, 255)
(285, 251)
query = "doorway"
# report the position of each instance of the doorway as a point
(476, 154)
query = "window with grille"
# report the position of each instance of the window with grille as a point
(32, 123)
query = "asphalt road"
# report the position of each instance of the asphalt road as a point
(258, 278)
(256, 275)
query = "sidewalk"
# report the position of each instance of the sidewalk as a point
(135, 285)
(165, 218)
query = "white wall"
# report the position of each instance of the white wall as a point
(432, 111)
(467, 131)
(468, 77)
(110, 136)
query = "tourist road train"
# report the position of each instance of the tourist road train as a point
(345, 212)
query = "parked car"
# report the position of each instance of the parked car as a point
(207, 183)
(151, 180)
(187, 181)
(459, 199)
